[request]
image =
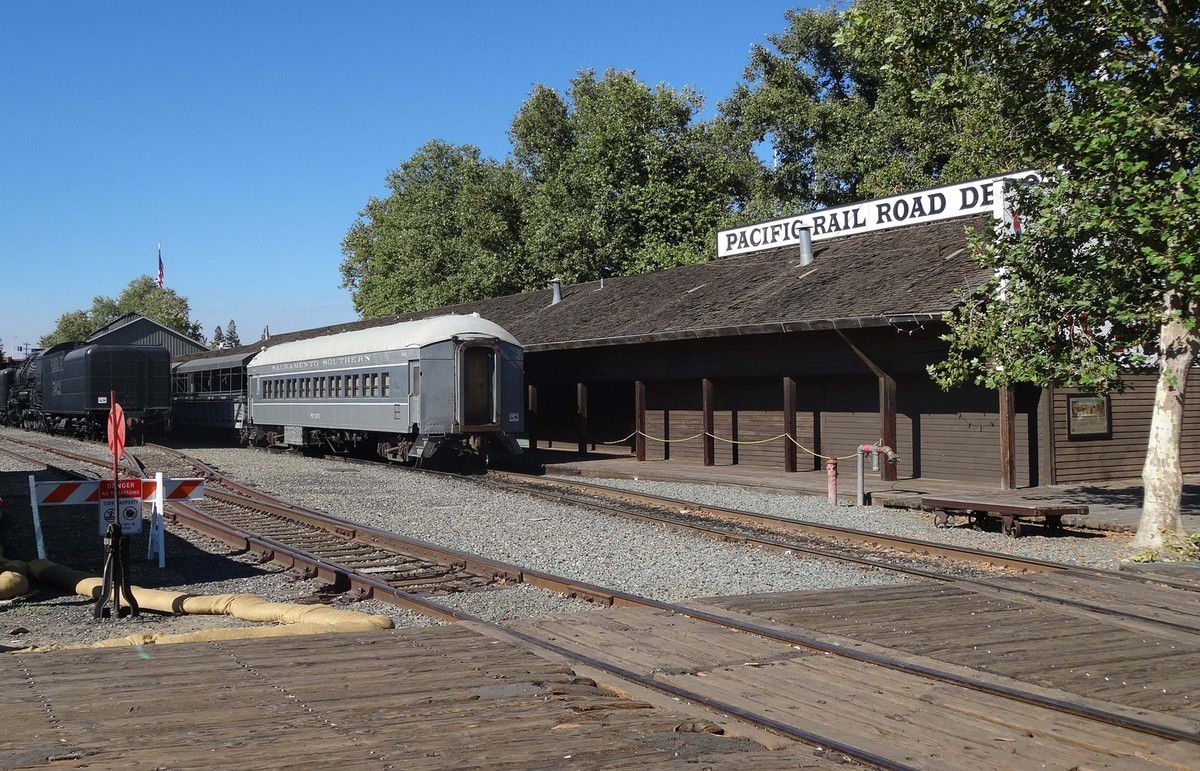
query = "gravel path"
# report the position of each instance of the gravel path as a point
(1074, 547)
(571, 541)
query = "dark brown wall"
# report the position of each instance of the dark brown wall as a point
(1122, 455)
(952, 435)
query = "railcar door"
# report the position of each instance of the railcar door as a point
(479, 386)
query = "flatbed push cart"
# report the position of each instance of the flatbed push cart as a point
(1009, 513)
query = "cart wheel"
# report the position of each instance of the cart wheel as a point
(1011, 527)
(941, 519)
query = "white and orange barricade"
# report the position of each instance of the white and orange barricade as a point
(157, 491)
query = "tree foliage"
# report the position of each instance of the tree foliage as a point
(843, 123)
(232, 339)
(449, 231)
(142, 295)
(623, 177)
(1103, 98)
(610, 177)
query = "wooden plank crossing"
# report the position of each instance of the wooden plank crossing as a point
(447, 697)
(1029, 640)
(906, 718)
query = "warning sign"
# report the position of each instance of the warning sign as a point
(129, 511)
(128, 488)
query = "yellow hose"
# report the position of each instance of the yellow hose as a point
(296, 619)
(14, 578)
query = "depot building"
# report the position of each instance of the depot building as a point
(803, 337)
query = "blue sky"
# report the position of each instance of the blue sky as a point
(246, 136)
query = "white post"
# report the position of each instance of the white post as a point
(156, 546)
(37, 518)
(860, 487)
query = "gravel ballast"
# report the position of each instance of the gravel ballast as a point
(1074, 547)
(566, 540)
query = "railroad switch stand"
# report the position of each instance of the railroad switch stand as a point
(115, 583)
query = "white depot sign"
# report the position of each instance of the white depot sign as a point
(979, 196)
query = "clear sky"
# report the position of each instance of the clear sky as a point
(245, 136)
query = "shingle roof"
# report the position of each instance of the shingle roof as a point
(916, 272)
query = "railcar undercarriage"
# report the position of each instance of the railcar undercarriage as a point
(410, 449)
(92, 425)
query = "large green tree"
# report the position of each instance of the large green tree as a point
(824, 102)
(607, 178)
(448, 231)
(1105, 275)
(142, 295)
(624, 177)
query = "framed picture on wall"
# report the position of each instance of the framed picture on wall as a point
(1089, 417)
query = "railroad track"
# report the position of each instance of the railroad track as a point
(759, 530)
(277, 547)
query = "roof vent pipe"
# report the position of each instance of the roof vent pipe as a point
(806, 255)
(555, 291)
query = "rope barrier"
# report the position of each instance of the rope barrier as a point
(789, 437)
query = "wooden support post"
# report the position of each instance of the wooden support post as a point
(1045, 418)
(789, 423)
(639, 419)
(887, 406)
(706, 394)
(1008, 461)
(581, 407)
(531, 409)
(887, 418)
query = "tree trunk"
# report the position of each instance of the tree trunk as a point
(1162, 475)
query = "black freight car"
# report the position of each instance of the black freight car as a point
(67, 387)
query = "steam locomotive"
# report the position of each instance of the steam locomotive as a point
(65, 389)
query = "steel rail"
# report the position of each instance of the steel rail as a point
(424, 550)
(616, 597)
(620, 598)
(292, 556)
(791, 546)
(838, 532)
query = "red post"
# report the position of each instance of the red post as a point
(831, 474)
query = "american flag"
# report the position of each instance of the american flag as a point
(160, 267)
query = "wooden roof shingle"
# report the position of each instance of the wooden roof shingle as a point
(915, 272)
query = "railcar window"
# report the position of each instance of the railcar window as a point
(335, 386)
(307, 387)
(385, 384)
(374, 384)
(353, 389)
(414, 379)
(320, 387)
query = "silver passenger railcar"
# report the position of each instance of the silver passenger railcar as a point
(404, 390)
